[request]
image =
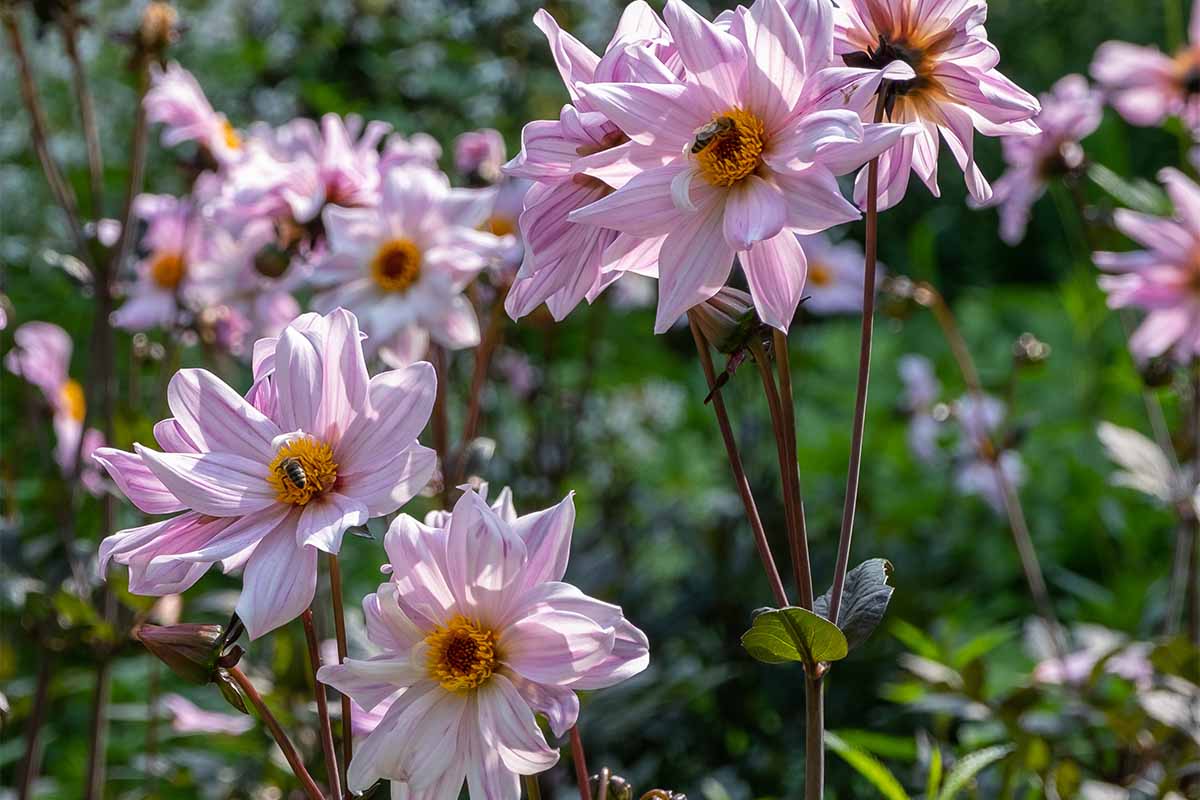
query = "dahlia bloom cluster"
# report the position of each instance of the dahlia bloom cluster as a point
(692, 141)
(280, 212)
(262, 483)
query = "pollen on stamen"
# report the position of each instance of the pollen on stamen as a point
(735, 153)
(396, 265)
(461, 655)
(167, 270)
(315, 458)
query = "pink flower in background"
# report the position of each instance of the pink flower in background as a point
(955, 91)
(480, 154)
(564, 262)
(176, 100)
(922, 391)
(187, 717)
(980, 419)
(1147, 86)
(1071, 110)
(479, 634)
(750, 142)
(402, 265)
(420, 150)
(1164, 279)
(835, 275)
(42, 356)
(1128, 660)
(173, 243)
(267, 484)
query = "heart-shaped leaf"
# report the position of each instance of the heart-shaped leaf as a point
(779, 635)
(864, 600)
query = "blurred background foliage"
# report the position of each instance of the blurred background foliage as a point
(616, 414)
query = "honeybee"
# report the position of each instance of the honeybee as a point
(705, 134)
(294, 472)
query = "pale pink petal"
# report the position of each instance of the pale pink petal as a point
(137, 482)
(483, 555)
(642, 207)
(387, 625)
(555, 647)
(172, 438)
(487, 777)
(326, 518)
(814, 21)
(693, 264)
(755, 210)
(1185, 195)
(384, 487)
(714, 58)
(775, 75)
(344, 377)
(373, 680)
(416, 741)
(775, 270)
(805, 140)
(458, 326)
(558, 704)
(401, 401)
(506, 720)
(652, 114)
(814, 201)
(217, 418)
(299, 381)
(547, 537)
(417, 554)
(574, 60)
(230, 540)
(841, 158)
(217, 484)
(630, 656)
(278, 583)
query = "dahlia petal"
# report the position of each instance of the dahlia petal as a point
(137, 548)
(629, 657)
(387, 624)
(629, 253)
(458, 327)
(894, 168)
(278, 583)
(483, 554)
(486, 774)
(693, 264)
(344, 377)
(447, 787)
(217, 484)
(959, 132)
(228, 540)
(1159, 331)
(843, 157)
(555, 647)
(172, 438)
(401, 401)
(419, 572)
(299, 380)
(506, 719)
(775, 270)
(755, 210)
(1185, 196)
(659, 114)
(547, 537)
(714, 59)
(326, 518)
(575, 62)
(814, 132)
(545, 152)
(775, 75)
(217, 418)
(814, 22)
(560, 705)
(371, 681)
(814, 201)
(1165, 236)
(137, 482)
(383, 488)
(642, 207)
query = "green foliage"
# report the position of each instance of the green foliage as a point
(867, 766)
(779, 635)
(864, 600)
(967, 767)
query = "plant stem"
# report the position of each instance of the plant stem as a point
(87, 112)
(1193, 572)
(326, 731)
(492, 337)
(533, 790)
(152, 727)
(98, 738)
(439, 423)
(739, 472)
(33, 729)
(285, 744)
(581, 770)
(864, 377)
(814, 738)
(339, 627)
(799, 542)
(929, 297)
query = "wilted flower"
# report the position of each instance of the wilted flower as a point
(480, 634)
(1147, 469)
(187, 717)
(480, 154)
(176, 100)
(1146, 86)
(190, 650)
(42, 356)
(1163, 279)
(402, 265)
(1071, 110)
(269, 483)
(955, 88)
(834, 284)
(750, 142)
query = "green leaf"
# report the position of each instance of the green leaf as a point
(935, 772)
(1138, 194)
(868, 766)
(864, 600)
(969, 766)
(793, 634)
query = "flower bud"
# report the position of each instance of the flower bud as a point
(190, 650)
(663, 794)
(158, 28)
(610, 786)
(728, 320)
(1157, 372)
(1029, 351)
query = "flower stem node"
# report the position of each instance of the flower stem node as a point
(606, 785)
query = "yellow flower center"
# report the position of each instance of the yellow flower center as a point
(302, 469)
(232, 140)
(499, 225)
(71, 398)
(819, 274)
(167, 270)
(462, 655)
(729, 148)
(397, 265)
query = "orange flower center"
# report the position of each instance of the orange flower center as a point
(729, 148)
(302, 469)
(499, 225)
(462, 655)
(232, 140)
(167, 270)
(71, 398)
(819, 274)
(397, 265)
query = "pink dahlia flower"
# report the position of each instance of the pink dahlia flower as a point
(922, 390)
(42, 356)
(480, 154)
(564, 262)
(176, 100)
(1071, 110)
(750, 142)
(187, 718)
(268, 482)
(420, 150)
(402, 265)
(835, 275)
(1146, 86)
(955, 90)
(1163, 279)
(479, 634)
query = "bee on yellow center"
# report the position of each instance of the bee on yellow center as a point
(462, 655)
(397, 265)
(167, 270)
(71, 398)
(302, 469)
(729, 148)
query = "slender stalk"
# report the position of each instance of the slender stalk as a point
(864, 376)
(814, 738)
(33, 729)
(1193, 571)
(87, 112)
(98, 738)
(439, 423)
(801, 565)
(533, 790)
(285, 744)
(581, 770)
(739, 472)
(928, 296)
(152, 692)
(339, 627)
(326, 730)
(492, 337)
